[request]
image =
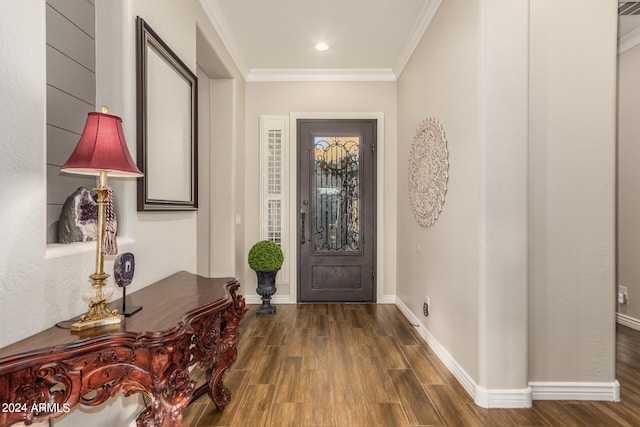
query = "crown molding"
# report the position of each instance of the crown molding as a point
(213, 11)
(425, 17)
(426, 14)
(321, 75)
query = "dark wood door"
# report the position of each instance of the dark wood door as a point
(336, 207)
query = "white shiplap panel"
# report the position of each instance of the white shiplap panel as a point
(71, 93)
(62, 185)
(70, 40)
(67, 75)
(80, 12)
(65, 111)
(53, 214)
(60, 144)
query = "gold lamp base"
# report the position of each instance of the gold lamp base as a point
(88, 324)
(99, 314)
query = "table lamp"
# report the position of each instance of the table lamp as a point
(102, 151)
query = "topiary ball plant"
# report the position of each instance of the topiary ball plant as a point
(265, 256)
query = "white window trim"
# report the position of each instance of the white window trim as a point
(268, 123)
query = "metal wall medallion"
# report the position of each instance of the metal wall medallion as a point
(428, 172)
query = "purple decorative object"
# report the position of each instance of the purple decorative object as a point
(123, 269)
(79, 218)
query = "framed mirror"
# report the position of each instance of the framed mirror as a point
(167, 126)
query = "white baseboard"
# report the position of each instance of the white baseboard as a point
(507, 398)
(576, 391)
(485, 398)
(445, 357)
(629, 321)
(388, 299)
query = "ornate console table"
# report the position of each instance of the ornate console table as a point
(186, 320)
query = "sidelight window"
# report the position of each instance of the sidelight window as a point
(274, 140)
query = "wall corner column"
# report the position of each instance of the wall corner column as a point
(503, 270)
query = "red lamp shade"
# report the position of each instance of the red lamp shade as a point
(102, 148)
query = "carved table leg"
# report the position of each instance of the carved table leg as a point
(171, 387)
(227, 351)
(221, 395)
(214, 347)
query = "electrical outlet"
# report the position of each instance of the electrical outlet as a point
(426, 306)
(623, 296)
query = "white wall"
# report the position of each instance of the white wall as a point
(204, 173)
(216, 158)
(519, 265)
(223, 164)
(23, 269)
(442, 81)
(320, 97)
(43, 285)
(572, 191)
(629, 180)
(226, 255)
(503, 278)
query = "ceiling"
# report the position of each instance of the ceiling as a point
(274, 39)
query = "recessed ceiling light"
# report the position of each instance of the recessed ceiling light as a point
(321, 46)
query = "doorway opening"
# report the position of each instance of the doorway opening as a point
(336, 206)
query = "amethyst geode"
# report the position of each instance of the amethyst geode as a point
(79, 218)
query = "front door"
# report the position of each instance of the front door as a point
(336, 209)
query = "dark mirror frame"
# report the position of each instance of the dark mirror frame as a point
(167, 185)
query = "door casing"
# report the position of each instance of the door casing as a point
(381, 296)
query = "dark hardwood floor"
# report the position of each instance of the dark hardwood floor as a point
(364, 365)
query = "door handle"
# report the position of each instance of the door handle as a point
(302, 234)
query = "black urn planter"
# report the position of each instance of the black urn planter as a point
(266, 288)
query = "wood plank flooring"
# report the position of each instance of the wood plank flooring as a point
(364, 365)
